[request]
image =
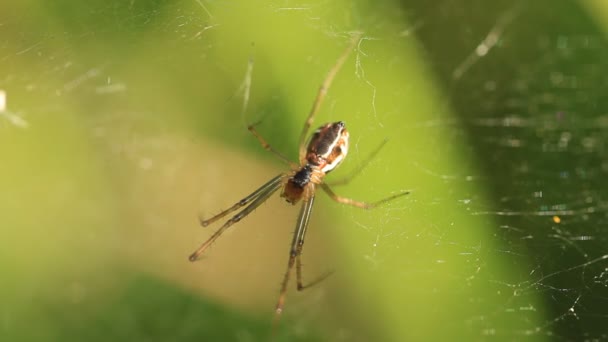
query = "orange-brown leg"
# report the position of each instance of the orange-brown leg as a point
(267, 146)
(359, 204)
(323, 91)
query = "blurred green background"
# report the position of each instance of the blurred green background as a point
(123, 123)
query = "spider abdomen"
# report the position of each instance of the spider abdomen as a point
(328, 146)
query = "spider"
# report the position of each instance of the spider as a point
(325, 150)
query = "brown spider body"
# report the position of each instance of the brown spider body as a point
(326, 149)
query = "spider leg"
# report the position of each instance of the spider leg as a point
(246, 87)
(360, 167)
(323, 91)
(294, 252)
(301, 286)
(359, 204)
(262, 195)
(242, 202)
(267, 146)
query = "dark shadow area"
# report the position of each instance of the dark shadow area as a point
(528, 82)
(147, 309)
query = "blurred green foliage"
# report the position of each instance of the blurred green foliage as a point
(134, 113)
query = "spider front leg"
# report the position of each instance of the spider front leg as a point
(273, 182)
(254, 200)
(323, 91)
(359, 204)
(267, 146)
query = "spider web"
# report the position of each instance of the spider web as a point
(128, 119)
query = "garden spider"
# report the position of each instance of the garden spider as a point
(326, 149)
